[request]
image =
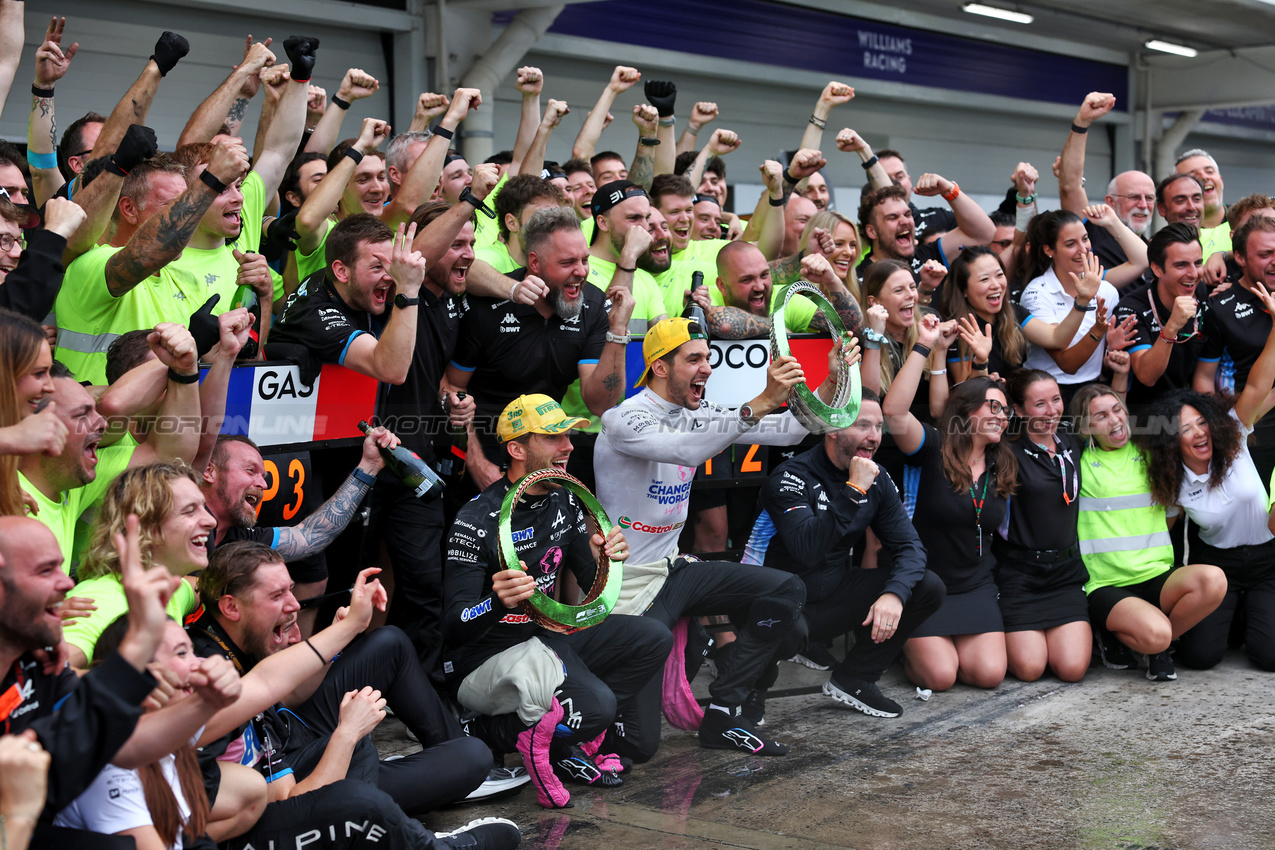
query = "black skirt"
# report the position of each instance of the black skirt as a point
(1035, 596)
(971, 613)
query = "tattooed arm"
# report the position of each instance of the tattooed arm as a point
(734, 323)
(847, 308)
(785, 270)
(51, 64)
(322, 527)
(235, 116)
(161, 240)
(602, 383)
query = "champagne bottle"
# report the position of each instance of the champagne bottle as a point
(694, 311)
(410, 469)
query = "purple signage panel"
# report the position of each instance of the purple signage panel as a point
(842, 47)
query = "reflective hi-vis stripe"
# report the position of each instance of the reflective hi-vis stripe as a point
(1115, 503)
(1133, 543)
(85, 343)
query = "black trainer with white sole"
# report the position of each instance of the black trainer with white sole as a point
(730, 730)
(1160, 668)
(862, 696)
(483, 834)
(1114, 654)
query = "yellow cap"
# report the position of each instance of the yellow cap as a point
(534, 414)
(667, 336)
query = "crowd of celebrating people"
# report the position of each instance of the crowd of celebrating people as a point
(1044, 395)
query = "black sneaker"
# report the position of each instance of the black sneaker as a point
(577, 766)
(1160, 667)
(816, 656)
(754, 707)
(1114, 654)
(862, 696)
(483, 834)
(729, 730)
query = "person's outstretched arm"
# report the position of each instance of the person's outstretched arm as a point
(211, 114)
(586, 144)
(834, 94)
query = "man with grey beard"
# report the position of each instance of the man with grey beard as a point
(1131, 193)
(573, 331)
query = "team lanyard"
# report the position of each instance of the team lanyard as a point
(1062, 458)
(978, 505)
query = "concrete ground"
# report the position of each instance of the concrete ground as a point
(1114, 761)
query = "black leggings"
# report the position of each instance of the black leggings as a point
(763, 604)
(1250, 577)
(450, 765)
(344, 814)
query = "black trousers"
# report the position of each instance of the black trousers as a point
(413, 535)
(606, 666)
(450, 765)
(344, 814)
(1250, 592)
(763, 604)
(844, 610)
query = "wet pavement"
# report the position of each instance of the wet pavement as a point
(1113, 761)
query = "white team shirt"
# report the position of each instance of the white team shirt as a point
(1046, 299)
(1234, 513)
(645, 460)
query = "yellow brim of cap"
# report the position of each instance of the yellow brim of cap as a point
(565, 425)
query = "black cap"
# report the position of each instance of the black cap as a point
(613, 193)
(552, 171)
(703, 197)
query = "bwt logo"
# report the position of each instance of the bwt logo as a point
(270, 387)
(478, 610)
(738, 355)
(525, 534)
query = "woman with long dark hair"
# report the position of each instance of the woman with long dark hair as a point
(1198, 459)
(1059, 257)
(958, 479)
(1137, 601)
(998, 331)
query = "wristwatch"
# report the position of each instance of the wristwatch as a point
(1088, 308)
(402, 301)
(622, 340)
(747, 416)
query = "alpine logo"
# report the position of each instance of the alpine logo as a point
(559, 519)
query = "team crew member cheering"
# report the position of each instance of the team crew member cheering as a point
(568, 687)
(1039, 572)
(1169, 316)
(818, 506)
(977, 295)
(1238, 327)
(572, 331)
(645, 459)
(959, 477)
(1059, 260)
(1134, 591)
(1203, 465)
(235, 481)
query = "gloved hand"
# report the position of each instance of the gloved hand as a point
(300, 50)
(204, 327)
(662, 94)
(281, 233)
(138, 145)
(170, 48)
